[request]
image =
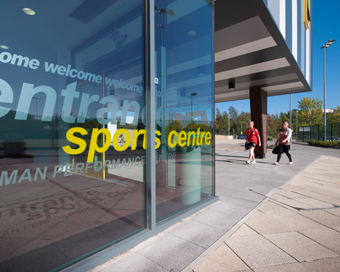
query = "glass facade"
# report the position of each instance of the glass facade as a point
(73, 124)
(185, 104)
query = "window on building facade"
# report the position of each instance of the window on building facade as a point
(73, 124)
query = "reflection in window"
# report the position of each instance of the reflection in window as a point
(184, 64)
(79, 73)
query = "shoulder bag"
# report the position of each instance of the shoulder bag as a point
(276, 149)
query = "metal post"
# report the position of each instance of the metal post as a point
(331, 131)
(36, 106)
(324, 95)
(290, 120)
(290, 117)
(192, 94)
(150, 116)
(228, 124)
(326, 45)
(303, 134)
(297, 127)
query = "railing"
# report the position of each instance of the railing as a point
(307, 133)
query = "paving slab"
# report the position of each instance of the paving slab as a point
(222, 259)
(170, 252)
(139, 264)
(327, 237)
(323, 217)
(256, 251)
(296, 221)
(300, 247)
(279, 198)
(305, 191)
(325, 265)
(315, 203)
(273, 208)
(244, 230)
(296, 204)
(216, 219)
(265, 224)
(335, 211)
(289, 194)
(197, 233)
(291, 267)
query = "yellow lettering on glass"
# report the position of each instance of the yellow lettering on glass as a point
(94, 142)
(73, 139)
(170, 143)
(127, 140)
(182, 139)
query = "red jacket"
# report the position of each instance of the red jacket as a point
(254, 135)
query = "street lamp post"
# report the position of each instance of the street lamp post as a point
(326, 45)
(228, 124)
(36, 105)
(290, 117)
(297, 127)
(192, 94)
(241, 126)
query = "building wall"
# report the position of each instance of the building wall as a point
(289, 16)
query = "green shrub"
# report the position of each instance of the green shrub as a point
(324, 143)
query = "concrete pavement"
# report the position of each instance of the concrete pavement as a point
(296, 228)
(245, 229)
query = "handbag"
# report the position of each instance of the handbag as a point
(246, 145)
(276, 150)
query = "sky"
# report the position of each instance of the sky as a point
(326, 26)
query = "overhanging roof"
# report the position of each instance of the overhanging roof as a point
(250, 50)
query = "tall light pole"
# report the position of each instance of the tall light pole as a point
(297, 126)
(36, 106)
(228, 124)
(192, 94)
(290, 117)
(326, 45)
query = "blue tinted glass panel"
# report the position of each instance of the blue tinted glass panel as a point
(185, 103)
(71, 135)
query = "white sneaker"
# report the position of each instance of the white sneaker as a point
(290, 163)
(275, 163)
(253, 162)
(249, 162)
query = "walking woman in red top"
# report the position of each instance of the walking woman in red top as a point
(252, 137)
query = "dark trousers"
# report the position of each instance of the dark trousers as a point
(284, 149)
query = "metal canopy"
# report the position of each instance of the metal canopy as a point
(251, 52)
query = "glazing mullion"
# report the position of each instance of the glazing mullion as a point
(150, 115)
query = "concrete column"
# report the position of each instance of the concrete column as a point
(258, 110)
(189, 174)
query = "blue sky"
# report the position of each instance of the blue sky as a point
(326, 26)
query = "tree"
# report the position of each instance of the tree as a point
(310, 111)
(272, 125)
(242, 122)
(233, 113)
(334, 118)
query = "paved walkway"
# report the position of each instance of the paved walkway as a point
(262, 209)
(296, 228)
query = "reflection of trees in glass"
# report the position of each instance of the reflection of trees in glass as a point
(31, 128)
(56, 124)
